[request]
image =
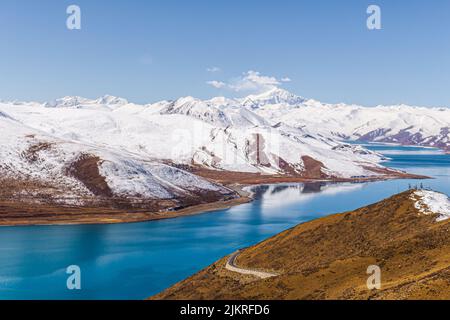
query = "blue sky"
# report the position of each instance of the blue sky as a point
(151, 50)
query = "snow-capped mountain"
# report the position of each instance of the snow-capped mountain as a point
(76, 149)
(43, 167)
(275, 96)
(402, 124)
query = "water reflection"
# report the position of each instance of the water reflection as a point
(286, 194)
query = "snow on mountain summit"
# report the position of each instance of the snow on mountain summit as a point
(111, 100)
(272, 97)
(220, 112)
(66, 102)
(79, 102)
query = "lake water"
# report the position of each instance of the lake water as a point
(135, 261)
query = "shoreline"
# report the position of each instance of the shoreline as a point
(445, 150)
(238, 186)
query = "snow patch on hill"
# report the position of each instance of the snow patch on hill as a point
(430, 202)
(135, 178)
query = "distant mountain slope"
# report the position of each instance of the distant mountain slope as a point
(406, 236)
(42, 173)
(399, 124)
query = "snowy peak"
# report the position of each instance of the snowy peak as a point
(196, 108)
(80, 102)
(219, 112)
(67, 102)
(111, 100)
(273, 97)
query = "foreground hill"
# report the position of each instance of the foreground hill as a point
(407, 236)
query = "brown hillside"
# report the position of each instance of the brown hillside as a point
(328, 259)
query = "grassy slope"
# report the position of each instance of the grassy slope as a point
(328, 258)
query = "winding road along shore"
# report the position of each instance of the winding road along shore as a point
(231, 266)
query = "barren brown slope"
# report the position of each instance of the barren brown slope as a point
(328, 259)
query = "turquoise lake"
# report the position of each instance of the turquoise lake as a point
(135, 261)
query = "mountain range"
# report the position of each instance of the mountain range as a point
(172, 154)
(399, 124)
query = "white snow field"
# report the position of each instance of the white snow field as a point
(431, 202)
